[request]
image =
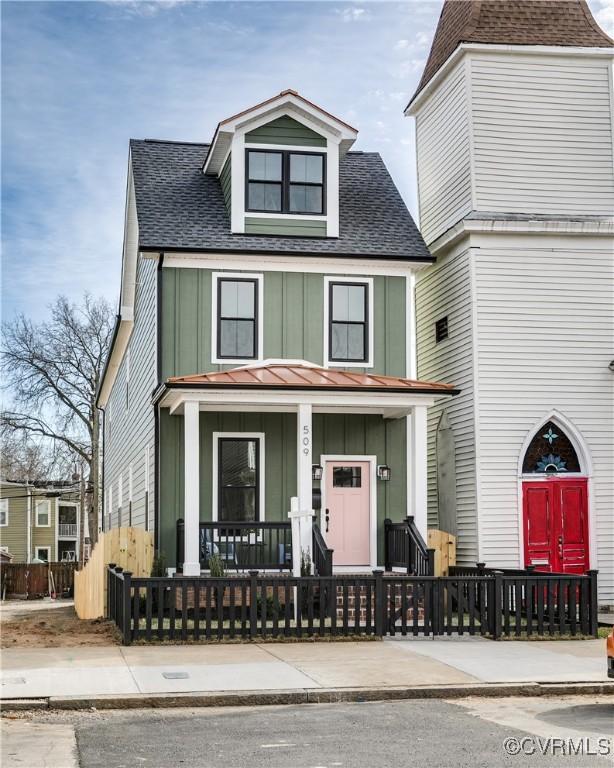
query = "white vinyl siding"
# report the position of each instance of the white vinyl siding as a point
(442, 138)
(132, 430)
(542, 134)
(445, 289)
(545, 333)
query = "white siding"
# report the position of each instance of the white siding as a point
(445, 289)
(442, 138)
(545, 339)
(129, 430)
(542, 134)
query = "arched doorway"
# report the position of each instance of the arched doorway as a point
(555, 501)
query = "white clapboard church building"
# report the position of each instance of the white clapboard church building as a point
(514, 137)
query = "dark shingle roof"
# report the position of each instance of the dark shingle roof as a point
(179, 207)
(511, 22)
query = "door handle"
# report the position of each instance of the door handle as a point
(326, 519)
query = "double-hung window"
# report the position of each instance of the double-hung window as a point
(348, 322)
(285, 182)
(237, 318)
(238, 479)
(43, 514)
(4, 512)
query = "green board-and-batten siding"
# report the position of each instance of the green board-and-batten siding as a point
(293, 321)
(342, 434)
(285, 130)
(255, 225)
(225, 181)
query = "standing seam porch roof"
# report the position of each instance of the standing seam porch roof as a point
(298, 376)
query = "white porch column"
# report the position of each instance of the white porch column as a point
(303, 473)
(191, 513)
(418, 468)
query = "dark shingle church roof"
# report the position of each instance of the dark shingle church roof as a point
(511, 22)
(179, 207)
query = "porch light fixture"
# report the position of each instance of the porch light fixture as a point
(383, 471)
(316, 472)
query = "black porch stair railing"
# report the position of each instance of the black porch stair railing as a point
(405, 548)
(322, 555)
(242, 545)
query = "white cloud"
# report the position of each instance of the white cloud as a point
(144, 7)
(402, 45)
(354, 14)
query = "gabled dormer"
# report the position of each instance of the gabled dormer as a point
(278, 164)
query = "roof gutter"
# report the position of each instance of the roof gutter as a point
(161, 391)
(312, 254)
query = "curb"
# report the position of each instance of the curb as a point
(303, 696)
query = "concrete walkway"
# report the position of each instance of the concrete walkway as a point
(268, 667)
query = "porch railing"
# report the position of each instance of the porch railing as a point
(242, 546)
(322, 555)
(405, 548)
(67, 529)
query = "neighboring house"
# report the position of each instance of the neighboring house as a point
(265, 338)
(516, 189)
(39, 521)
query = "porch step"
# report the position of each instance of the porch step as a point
(414, 604)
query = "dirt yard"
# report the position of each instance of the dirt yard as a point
(53, 628)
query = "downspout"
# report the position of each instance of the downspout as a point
(156, 406)
(101, 509)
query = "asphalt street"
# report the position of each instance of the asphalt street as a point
(469, 732)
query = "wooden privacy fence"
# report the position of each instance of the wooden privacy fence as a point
(257, 605)
(30, 580)
(444, 546)
(130, 548)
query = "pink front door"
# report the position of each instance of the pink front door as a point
(347, 515)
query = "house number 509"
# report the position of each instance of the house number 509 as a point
(306, 440)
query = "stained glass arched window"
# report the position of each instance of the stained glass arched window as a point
(550, 452)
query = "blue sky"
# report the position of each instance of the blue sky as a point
(81, 78)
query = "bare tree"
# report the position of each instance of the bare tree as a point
(52, 371)
(23, 459)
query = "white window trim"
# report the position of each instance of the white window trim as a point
(37, 550)
(259, 277)
(37, 504)
(4, 508)
(368, 281)
(261, 473)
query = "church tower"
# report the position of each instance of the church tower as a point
(514, 132)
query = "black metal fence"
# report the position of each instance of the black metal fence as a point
(256, 605)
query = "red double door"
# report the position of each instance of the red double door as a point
(556, 525)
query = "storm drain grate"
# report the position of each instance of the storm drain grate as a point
(175, 675)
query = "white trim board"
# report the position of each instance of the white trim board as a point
(259, 277)
(372, 460)
(324, 265)
(368, 281)
(260, 436)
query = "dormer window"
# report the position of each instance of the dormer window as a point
(285, 182)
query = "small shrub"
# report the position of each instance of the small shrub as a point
(158, 567)
(216, 566)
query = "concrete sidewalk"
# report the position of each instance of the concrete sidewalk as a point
(307, 666)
